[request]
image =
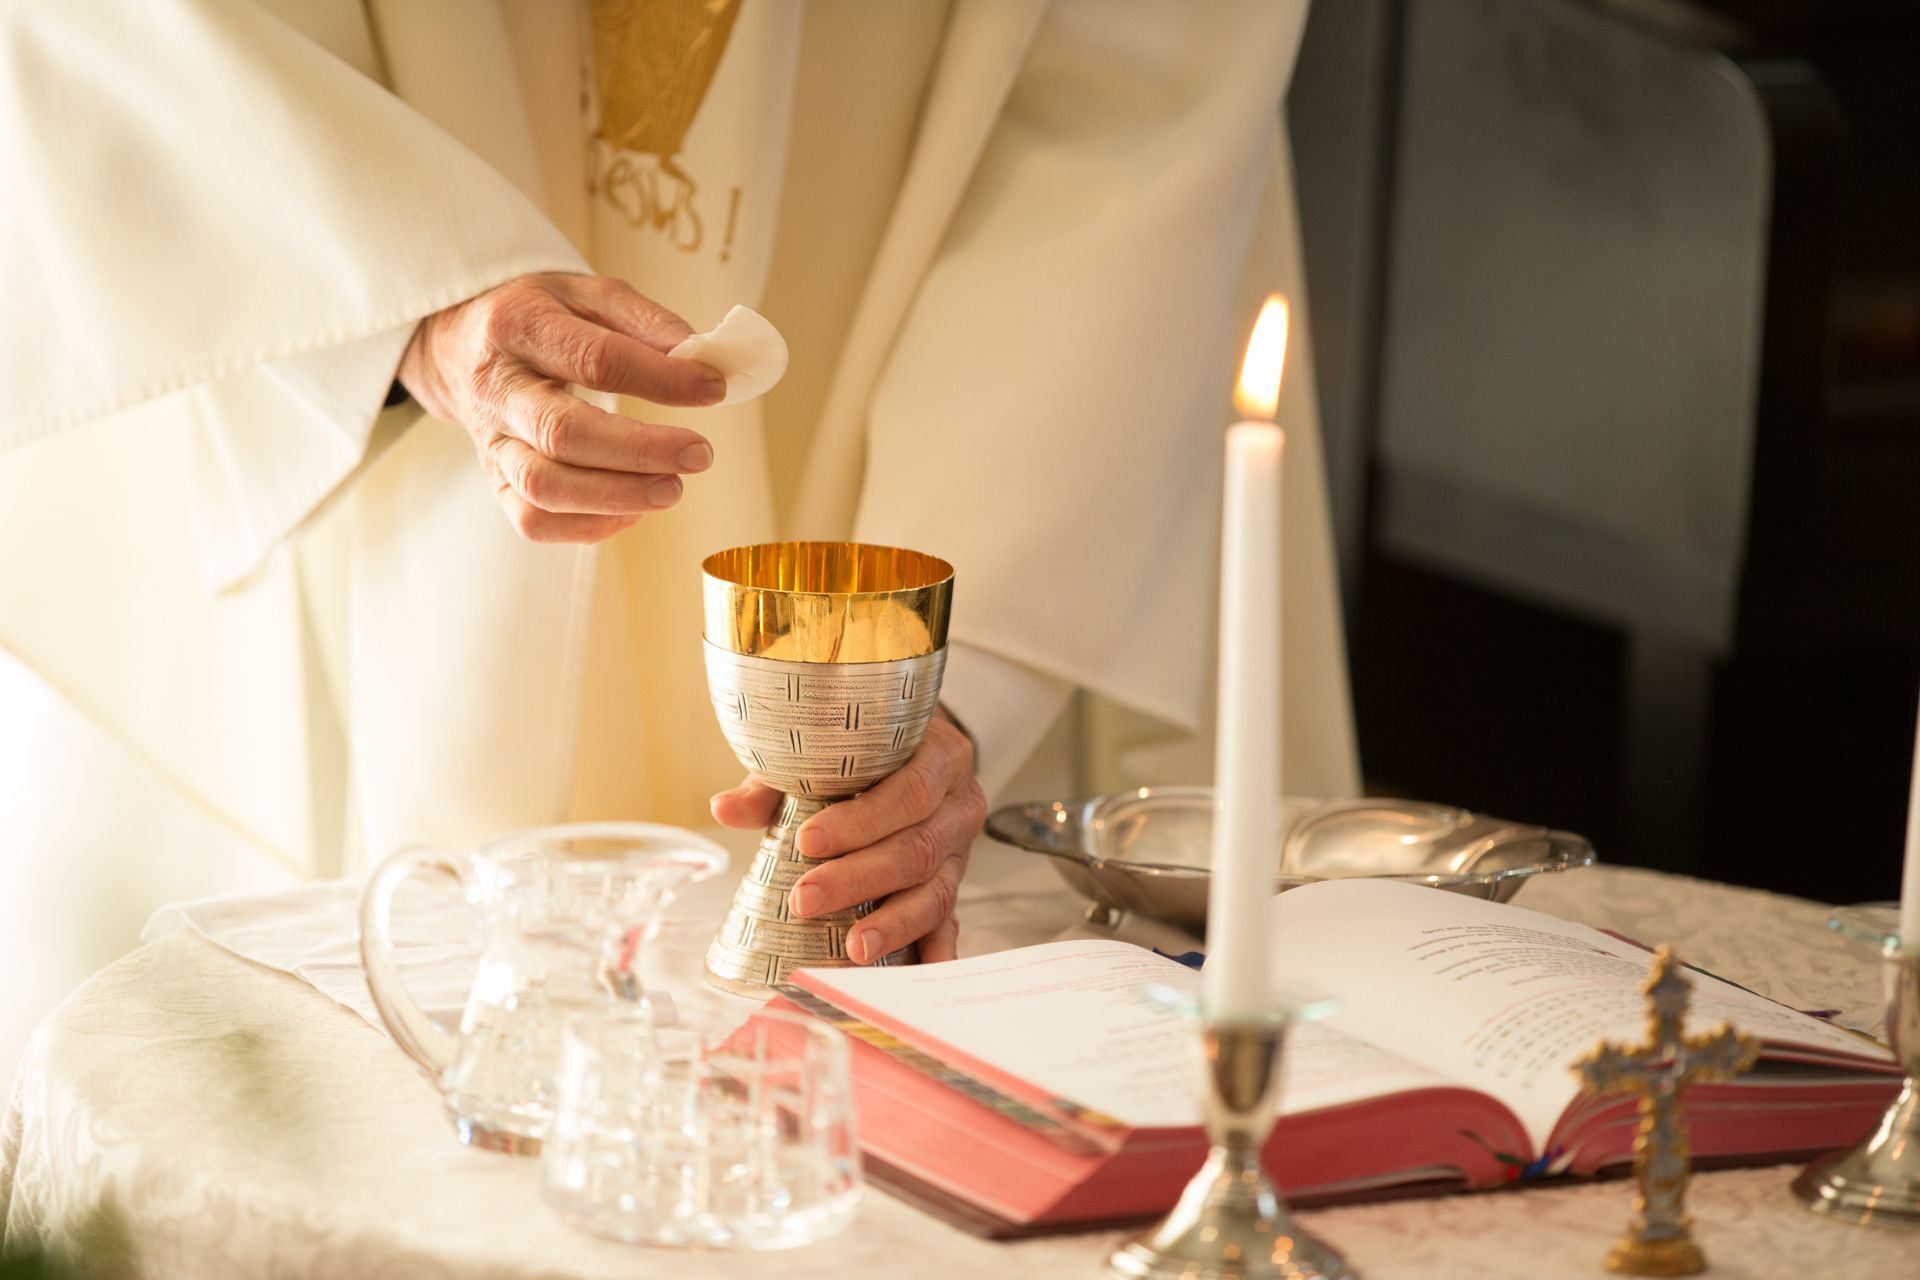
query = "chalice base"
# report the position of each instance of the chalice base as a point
(761, 943)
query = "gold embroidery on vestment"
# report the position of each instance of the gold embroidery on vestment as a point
(653, 61)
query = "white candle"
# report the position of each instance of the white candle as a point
(1910, 875)
(1247, 746)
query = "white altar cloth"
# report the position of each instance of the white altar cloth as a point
(207, 1117)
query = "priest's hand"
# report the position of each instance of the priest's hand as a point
(499, 365)
(906, 840)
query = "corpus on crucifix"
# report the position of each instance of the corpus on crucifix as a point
(1658, 1241)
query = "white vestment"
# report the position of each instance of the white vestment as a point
(1014, 246)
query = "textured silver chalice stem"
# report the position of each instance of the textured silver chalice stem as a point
(1878, 1180)
(819, 732)
(1231, 1222)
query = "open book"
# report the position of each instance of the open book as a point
(1043, 1088)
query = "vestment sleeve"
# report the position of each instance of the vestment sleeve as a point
(1006, 708)
(1051, 413)
(201, 201)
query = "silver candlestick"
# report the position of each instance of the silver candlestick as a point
(1878, 1181)
(1231, 1222)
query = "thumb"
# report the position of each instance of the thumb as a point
(751, 804)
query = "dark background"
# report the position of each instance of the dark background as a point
(1772, 747)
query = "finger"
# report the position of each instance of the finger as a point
(621, 307)
(906, 916)
(565, 489)
(572, 348)
(749, 805)
(910, 794)
(568, 429)
(535, 525)
(899, 861)
(942, 944)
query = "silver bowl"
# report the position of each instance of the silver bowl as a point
(1146, 850)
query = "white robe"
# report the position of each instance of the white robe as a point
(1015, 246)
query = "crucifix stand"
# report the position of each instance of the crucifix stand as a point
(1658, 1241)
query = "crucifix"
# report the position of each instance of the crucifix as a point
(1658, 1242)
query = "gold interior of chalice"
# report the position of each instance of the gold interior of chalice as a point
(827, 601)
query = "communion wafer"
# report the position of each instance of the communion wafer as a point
(747, 350)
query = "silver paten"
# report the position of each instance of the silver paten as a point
(1146, 850)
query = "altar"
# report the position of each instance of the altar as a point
(189, 1114)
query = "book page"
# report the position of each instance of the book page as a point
(1497, 997)
(1074, 1020)
(1325, 1066)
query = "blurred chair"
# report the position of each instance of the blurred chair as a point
(1604, 406)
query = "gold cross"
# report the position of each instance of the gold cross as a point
(1658, 1242)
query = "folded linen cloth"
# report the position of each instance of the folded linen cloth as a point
(312, 932)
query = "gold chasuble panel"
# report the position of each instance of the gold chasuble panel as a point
(651, 65)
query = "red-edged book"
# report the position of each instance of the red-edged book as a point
(1047, 1088)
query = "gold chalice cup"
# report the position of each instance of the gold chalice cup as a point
(824, 662)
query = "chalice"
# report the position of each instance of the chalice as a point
(824, 662)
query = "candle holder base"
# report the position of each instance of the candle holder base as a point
(1234, 1229)
(1231, 1222)
(1878, 1181)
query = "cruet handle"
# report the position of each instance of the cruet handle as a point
(425, 1041)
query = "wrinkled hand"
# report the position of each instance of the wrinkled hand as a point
(499, 365)
(907, 840)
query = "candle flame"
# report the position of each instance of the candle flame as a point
(1258, 394)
